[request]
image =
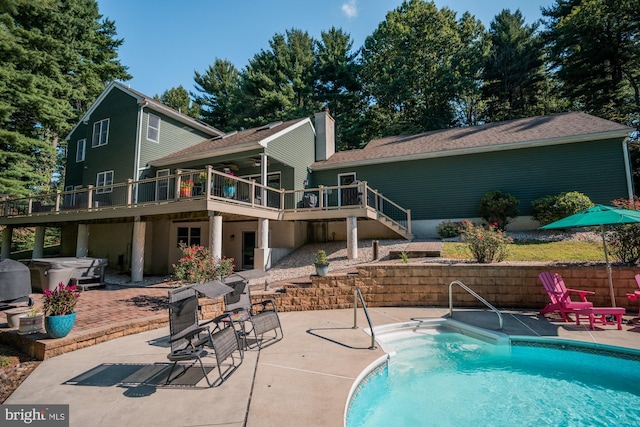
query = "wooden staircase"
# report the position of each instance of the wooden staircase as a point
(395, 226)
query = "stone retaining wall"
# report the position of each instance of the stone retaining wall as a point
(503, 285)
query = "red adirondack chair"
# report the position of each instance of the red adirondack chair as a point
(559, 296)
(636, 294)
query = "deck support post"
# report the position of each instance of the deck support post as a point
(6, 242)
(38, 244)
(352, 237)
(262, 254)
(215, 230)
(137, 250)
(82, 243)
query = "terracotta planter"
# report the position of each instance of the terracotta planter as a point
(185, 191)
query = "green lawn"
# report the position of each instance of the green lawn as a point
(537, 251)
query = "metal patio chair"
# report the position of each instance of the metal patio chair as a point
(189, 338)
(265, 328)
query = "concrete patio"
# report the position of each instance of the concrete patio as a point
(303, 380)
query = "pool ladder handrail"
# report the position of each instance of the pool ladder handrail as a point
(478, 297)
(357, 294)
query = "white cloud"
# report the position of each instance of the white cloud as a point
(350, 9)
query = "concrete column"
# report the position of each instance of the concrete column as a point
(215, 236)
(137, 249)
(82, 244)
(262, 254)
(6, 242)
(263, 233)
(352, 237)
(38, 245)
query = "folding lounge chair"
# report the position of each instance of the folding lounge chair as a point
(559, 296)
(188, 338)
(263, 316)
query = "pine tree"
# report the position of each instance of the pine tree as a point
(55, 59)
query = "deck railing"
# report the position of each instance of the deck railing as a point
(211, 185)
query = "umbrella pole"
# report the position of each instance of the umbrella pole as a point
(606, 259)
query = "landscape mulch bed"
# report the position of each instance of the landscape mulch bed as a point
(15, 367)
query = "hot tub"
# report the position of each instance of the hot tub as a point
(47, 273)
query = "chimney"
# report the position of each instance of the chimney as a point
(325, 135)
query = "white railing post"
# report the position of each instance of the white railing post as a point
(409, 220)
(178, 183)
(129, 191)
(252, 194)
(89, 196)
(363, 190)
(281, 199)
(30, 208)
(58, 194)
(207, 188)
(321, 197)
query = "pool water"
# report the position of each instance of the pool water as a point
(449, 379)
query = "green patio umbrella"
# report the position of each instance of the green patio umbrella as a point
(598, 215)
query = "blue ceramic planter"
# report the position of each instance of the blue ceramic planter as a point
(229, 191)
(59, 326)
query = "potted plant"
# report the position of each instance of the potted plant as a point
(185, 187)
(60, 310)
(321, 263)
(31, 321)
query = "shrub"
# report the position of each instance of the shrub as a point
(624, 240)
(548, 209)
(198, 266)
(485, 244)
(497, 208)
(448, 229)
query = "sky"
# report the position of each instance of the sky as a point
(165, 41)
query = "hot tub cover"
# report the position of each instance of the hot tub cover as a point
(15, 280)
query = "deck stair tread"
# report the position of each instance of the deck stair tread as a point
(419, 249)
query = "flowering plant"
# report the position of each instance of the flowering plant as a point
(186, 183)
(485, 244)
(198, 266)
(228, 180)
(62, 300)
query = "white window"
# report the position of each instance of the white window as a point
(189, 236)
(104, 181)
(100, 133)
(153, 128)
(80, 150)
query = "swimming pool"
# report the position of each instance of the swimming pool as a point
(445, 374)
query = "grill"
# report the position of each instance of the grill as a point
(15, 284)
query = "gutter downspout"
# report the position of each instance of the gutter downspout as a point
(136, 166)
(627, 169)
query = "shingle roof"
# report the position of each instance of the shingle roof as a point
(236, 141)
(542, 130)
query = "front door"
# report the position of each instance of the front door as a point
(248, 246)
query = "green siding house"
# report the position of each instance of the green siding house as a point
(442, 175)
(121, 132)
(142, 178)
